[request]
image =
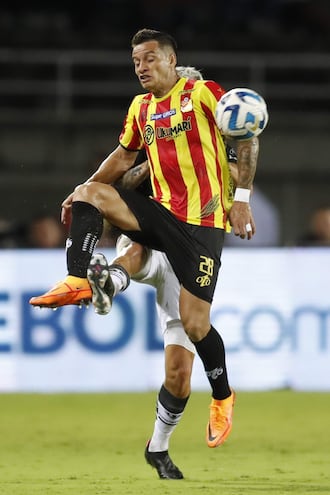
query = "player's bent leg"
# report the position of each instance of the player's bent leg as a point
(108, 202)
(131, 255)
(123, 243)
(91, 203)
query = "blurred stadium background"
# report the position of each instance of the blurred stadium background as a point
(66, 81)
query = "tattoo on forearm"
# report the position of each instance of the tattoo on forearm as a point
(134, 177)
(247, 156)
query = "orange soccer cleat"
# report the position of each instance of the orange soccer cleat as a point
(71, 290)
(220, 423)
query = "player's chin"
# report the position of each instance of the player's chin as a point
(146, 84)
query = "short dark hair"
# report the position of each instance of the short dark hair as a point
(164, 39)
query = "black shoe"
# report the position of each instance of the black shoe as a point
(163, 463)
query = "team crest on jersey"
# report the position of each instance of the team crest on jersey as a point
(148, 134)
(186, 104)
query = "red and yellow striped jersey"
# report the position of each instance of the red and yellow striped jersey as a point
(187, 157)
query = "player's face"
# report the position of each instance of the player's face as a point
(155, 67)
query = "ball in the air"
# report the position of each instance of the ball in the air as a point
(241, 113)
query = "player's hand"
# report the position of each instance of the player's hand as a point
(241, 220)
(66, 210)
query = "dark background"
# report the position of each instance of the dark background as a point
(66, 80)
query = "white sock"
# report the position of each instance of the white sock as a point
(165, 424)
(119, 277)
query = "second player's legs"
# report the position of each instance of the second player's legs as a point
(178, 369)
(132, 257)
(173, 395)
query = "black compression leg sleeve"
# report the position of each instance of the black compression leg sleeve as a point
(86, 229)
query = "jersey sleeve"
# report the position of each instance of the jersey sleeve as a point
(210, 94)
(130, 137)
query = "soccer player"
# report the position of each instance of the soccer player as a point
(152, 267)
(190, 212)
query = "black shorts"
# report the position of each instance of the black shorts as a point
(193, 251)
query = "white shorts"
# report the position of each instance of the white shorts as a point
(158, 273)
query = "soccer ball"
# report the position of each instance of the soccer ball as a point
(241, 113)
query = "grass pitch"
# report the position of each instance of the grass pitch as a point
(90, 444)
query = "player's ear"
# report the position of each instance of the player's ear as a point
(173, 59)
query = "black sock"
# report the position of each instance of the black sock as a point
(211, 350)
(86, 229)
